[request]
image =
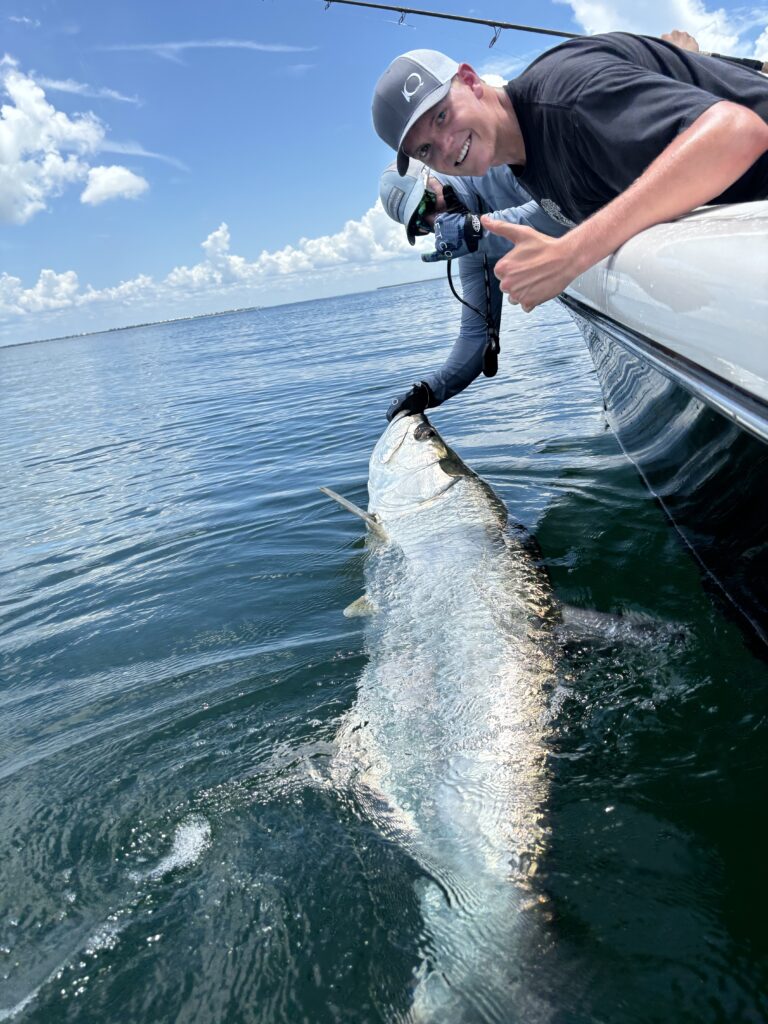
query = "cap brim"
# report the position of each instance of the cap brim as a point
(412, 204)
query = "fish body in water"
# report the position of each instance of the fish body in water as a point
(445, 747)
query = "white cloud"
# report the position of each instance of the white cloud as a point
(136, 149)
(52, 291)
(174, 51)
(69, 85)
(505, 66)
(112, 183)
(717, 29)
(761, 47)
(361, 244)
(372, 238)
(137, 290)
(43, 150)
(30, 22)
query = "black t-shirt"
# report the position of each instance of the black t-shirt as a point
(595, 112)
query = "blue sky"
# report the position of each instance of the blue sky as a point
(166, 159)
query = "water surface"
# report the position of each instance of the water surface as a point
(175, 666)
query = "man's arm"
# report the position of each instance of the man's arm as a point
(465, 360)
(703, 161)
(530, 215)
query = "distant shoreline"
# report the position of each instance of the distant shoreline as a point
(404, 284)
(131, 327)
(204, 316)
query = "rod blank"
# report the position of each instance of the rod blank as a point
(498, 26)
(456, 17)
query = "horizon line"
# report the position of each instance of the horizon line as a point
(219, 312)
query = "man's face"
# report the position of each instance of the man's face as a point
(435, 186)
(419, 224)
(457, 135)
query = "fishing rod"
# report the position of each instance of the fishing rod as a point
(499, 26)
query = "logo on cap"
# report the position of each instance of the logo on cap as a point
(410, 91)
(393, 202)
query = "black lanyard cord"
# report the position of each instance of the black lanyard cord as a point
(492, 348)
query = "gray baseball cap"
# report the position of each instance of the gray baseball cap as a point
(412, 84)
(401, 194)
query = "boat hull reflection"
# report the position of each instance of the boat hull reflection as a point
(708, 472)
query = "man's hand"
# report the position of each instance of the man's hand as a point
(418, 398)
(456, 234)
(537, 269)
(682, 39)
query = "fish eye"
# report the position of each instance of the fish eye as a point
(424, 431)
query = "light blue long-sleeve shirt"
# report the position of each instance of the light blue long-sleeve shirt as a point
(500, 194)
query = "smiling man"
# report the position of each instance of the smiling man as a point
(611, 133)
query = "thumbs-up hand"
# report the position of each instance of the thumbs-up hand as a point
(537, 269)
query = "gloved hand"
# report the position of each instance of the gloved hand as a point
(418, 398)
(456, 234)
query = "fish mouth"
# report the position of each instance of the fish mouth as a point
(464, 151)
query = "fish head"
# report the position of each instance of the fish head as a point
(410, 466)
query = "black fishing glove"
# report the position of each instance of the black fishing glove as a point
(456, 234)
(418, 398)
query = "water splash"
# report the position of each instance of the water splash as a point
(191, 839)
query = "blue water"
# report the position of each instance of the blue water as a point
(175, 665)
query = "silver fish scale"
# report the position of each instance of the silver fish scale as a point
(445, 748)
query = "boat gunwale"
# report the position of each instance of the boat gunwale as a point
(748, 411)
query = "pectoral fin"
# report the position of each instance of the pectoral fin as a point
(360, 608)
(586, 624)
(371, 521)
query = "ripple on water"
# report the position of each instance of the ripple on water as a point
(175, 666)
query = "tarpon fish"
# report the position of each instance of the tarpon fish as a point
(445, 747)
